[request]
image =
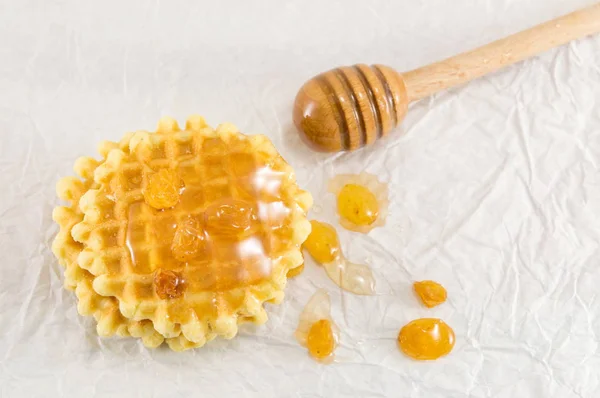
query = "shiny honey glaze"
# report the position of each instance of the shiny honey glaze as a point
(214, 222)
(324, 247)
(426, 339)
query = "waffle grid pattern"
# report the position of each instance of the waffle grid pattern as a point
(110, 201)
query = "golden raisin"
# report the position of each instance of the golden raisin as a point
(320, 340)
(295, 271)
(431, 293)
(189, 241)
(230, 217)
(357, 204)
(426, 339)
(168, 284)
(322, 243)
(163, 189)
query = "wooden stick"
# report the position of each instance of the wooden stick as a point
(347, 108)
(430, 79)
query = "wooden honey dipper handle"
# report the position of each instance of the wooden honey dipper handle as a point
(462, 68)
(349, 107)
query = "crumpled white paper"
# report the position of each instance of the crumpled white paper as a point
(494, 190)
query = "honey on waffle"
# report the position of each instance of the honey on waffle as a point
(202, 249)
(105, 310)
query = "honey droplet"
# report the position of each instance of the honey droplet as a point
(357, 204)
(316, 329)
(189, 241)
(322, 243)
(163, 189)
(320, 340)
(292, 273)
(230, 217)
(431, 293)
(324, 246)
(168, 284)
(426, 339)
(362, 201)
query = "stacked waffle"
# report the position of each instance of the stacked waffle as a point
(180, 235)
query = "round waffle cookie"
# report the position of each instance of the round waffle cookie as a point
(181, 235)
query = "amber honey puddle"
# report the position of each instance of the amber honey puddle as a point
(212, 236)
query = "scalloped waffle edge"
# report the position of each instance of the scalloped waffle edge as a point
(105, 310)
(85, 273)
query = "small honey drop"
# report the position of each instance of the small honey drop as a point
(320, 340)
(322, 243)
(163, 189)
(168, 284)
(357, 204)
(316, 330)
(294, 272)
(324, 247)
(431, 293)
(426, 339)
(362, 201)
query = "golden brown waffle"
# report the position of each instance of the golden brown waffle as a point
(118, 250)
(104, 309)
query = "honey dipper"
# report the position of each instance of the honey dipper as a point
(347, 108)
